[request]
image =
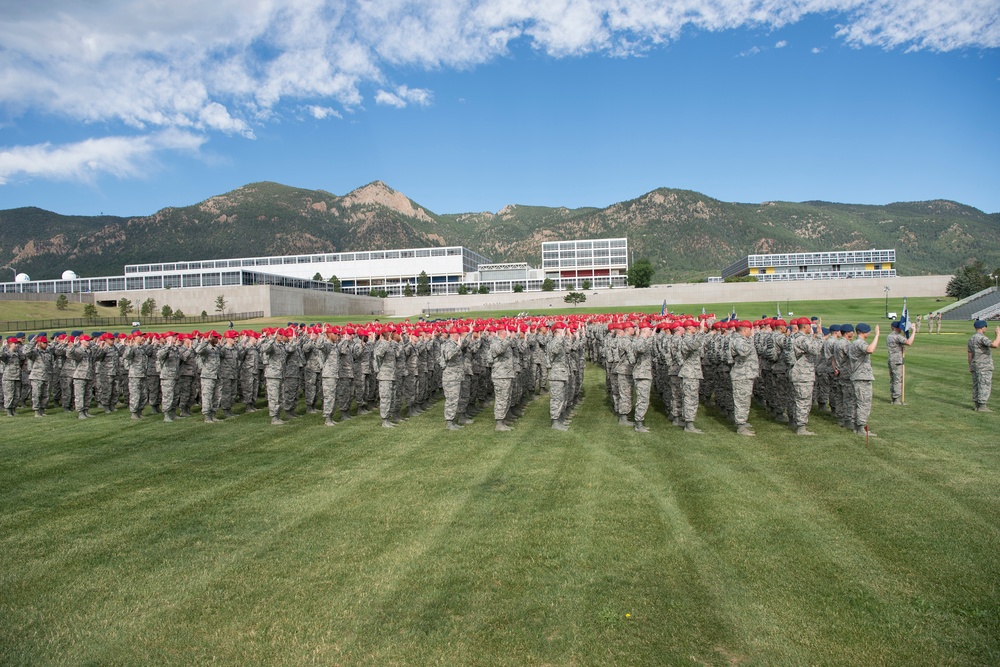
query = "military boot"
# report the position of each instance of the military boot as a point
(168, 416)
(276, 421)
(501, 426)
(79, 415)
(860, 430)
(744, 429)
(387, 424)
(982, 407)
(136, 416)
(559, 425)
(689, 427)
(463, 420)
(802, 430)
(452, 426)
(623, 420)
(640, 427)
(39, 413)
(329, 422)
(227, 414)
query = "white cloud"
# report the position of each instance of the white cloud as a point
(782, 44)
(322, 113)
(229, 65)
(816, 49)
(752, 51)
(123, 157)
(403, 96)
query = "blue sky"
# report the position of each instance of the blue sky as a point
(124, 108)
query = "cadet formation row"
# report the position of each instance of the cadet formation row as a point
(788, 368)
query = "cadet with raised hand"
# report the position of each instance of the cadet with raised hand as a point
(897, 342)
(860, 352)
(981, 364)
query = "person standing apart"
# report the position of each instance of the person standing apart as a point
(897, 342)
(981, 364)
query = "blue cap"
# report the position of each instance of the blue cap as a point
(863, 328)
(979, 324)
(834, 327)
(825, 331)
(75, 333)
(847, 328)
(895, 325)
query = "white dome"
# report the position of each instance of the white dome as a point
(22, 278)
(69, 275)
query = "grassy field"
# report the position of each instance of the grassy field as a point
(241, 543)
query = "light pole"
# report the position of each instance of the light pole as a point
(887, 301)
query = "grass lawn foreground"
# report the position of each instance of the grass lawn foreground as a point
(239, 543)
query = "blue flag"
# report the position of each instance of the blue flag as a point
(663, 308)
(904, 321)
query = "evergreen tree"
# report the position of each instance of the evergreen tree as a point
(640, 274)
(62, 303)
(423, 284)
(969, 279)
(548, 285)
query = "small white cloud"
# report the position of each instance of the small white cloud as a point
(816, 49)
(322, 113)
(123, 157)
(782, 44)
(752, 51)
(403, 96)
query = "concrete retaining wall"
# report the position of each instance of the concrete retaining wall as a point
(272, 300)
(684, 293)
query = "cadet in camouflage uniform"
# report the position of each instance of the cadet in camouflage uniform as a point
(312, 348)
(897, 342)
(452, 363)
(153, 396)
(40, 357)
(208, 352)
(826, 383)
(779, 396)
(106, 363)
(83, 375)
(168, 361)
(743, 375)
(622, 383)
(981, 365)
(384, 357)
(345, 380)
(11, 356)
(806, 348)
(502, 374)
(249, 379)
(859, 352)
(642, 373)
(558, 365)
(690, 372)
(187, 370)
(229, 372)
(274, 352)
(842, 371)
(135, 358)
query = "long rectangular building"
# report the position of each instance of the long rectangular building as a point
(815, 265)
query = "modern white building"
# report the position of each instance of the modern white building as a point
(815, 265)
(602, 262)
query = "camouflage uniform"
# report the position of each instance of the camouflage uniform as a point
(743, 374)
(981, 367)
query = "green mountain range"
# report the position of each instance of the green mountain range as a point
(687, 235)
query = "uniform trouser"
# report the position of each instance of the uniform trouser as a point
(896, 381)
(689, 401)
(345, 394)
(184, 392)
(103, 387)
(676, 396)
(557, 398)
(136, 394)
(822, 389)
(862, 401)
(846, 408)
(501, 398)
(273, 388)
(313, 388)
(66, 391)
(11, 392)
(209, 395)
(982, 385)
(537, 377)
(290, 392)
(642, 388)
(452, 396)
(82, 390)
(359, 388)
(39, 394)
(410, 391)
(124, 389)
(624, 384)
(227, 393)
(742, 395)
(153, 390)
(168, 393)
(385, 389)
(803, 398)
(397, 396)
(464, 394)
(781, 395)
(249, 386)
(329, 397)
(421, 379)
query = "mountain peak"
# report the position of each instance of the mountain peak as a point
(378, 193)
